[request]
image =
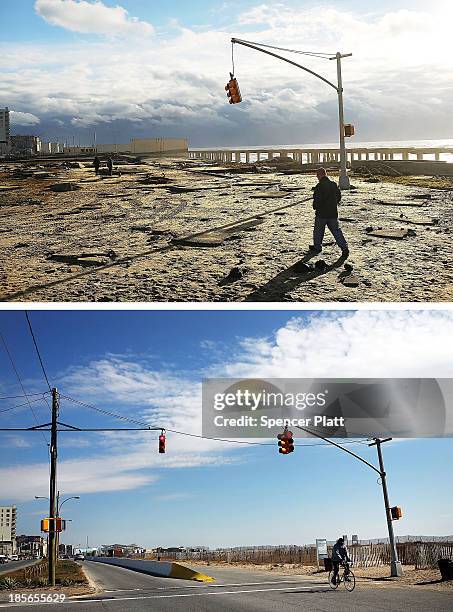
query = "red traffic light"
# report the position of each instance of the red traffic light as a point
(233, 91)
(162, 443)
(285, 443)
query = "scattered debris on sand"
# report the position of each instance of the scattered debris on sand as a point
(181, 226)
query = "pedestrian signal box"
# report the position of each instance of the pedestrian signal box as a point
(349, 130)
(396, 513)
(60, 524)
(233, 91)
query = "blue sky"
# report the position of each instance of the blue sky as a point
(148, 365)
(134, 68)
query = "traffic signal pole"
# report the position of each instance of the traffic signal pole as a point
(52, 548)
(344, 182)
(396, 569)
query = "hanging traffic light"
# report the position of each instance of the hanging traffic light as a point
(162, 443)
(285, 442)
(349, 130)
(233, 91)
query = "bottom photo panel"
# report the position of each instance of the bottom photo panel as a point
(226, 460)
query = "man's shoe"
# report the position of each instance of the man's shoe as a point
(345, 253)
(313, 249)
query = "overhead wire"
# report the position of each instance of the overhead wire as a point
(20, 405)
(21, 385)
(184, 433)
(37, 351)
(309, 53)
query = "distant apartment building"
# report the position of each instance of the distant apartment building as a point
(5, 134)
(8, 530)
(25, 145)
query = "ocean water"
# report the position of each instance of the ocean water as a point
(351, 144)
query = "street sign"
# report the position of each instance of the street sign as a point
(321, 550)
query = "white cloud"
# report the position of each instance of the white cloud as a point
(401, 63)
(364, 344)
(92, 18)
(18, 118)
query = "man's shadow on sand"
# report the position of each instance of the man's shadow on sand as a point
(288, 280)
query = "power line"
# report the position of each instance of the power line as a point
(184, 433)
(21, 384)
(37, 351)
(310, 53)
(8, 397)
(19, 405)
(105, 412)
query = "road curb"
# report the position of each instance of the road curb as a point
(163, 569)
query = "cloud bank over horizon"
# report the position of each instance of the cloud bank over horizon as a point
(125, 77)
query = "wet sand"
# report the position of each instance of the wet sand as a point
(126, 229)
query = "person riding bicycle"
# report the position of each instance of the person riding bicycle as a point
(340, 556)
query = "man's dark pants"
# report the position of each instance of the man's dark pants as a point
(336, 567)
(334, 227)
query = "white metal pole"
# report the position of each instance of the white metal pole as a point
(344, 178)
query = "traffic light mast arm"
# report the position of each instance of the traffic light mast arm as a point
(249, 44)
(346, 450)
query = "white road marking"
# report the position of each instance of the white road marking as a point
(142, 597)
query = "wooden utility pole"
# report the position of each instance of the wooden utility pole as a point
(53, 512)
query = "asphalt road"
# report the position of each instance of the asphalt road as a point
(238, 590)
(11, 566)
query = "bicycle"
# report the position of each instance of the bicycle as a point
(346, 576)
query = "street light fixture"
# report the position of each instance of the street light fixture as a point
(344, 182)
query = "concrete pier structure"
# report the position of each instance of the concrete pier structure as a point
(321, 156)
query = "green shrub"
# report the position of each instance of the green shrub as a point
(8, 583)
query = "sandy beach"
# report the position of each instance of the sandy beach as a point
(128, 238)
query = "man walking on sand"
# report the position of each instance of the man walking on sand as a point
(326, 198)
(110, 165)
(97, 164)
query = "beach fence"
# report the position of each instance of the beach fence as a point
(37, 570)
(418, 554)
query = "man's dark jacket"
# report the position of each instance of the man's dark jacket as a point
(326, 198)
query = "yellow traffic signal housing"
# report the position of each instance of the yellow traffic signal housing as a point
(233, 91)
(349, 130)
(45, 523)
(396, 513)
(60, 524)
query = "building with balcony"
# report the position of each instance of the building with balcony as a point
(8, 517)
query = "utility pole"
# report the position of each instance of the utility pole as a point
(53, 490)
(396, 568)
(344, 182)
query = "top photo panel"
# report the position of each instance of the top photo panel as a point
(213, 151)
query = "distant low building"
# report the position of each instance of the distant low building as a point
(136, 146)
(31, 546)
(25, 145)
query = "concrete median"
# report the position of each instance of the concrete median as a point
(163, 569)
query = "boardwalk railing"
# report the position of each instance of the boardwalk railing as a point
(322, 155)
